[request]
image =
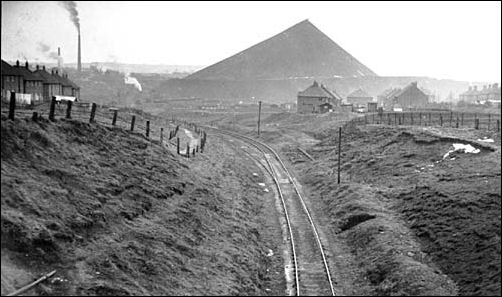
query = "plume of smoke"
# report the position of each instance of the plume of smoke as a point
(71, 7)
(129, 80)
(46, 50)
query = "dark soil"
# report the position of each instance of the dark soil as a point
(115, 214)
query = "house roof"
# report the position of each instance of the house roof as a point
(389, 93)
(316, 90)
(48, 78)
(64, 81)
(7, 69)
(73, 85)
(332, 92)
(359, 93)
(27, 74)
(411, 85)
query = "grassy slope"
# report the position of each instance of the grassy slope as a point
(115, 214)
(410, 219)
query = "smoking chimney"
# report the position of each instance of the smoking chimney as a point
(79, 62)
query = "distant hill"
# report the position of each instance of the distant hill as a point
(302, 51)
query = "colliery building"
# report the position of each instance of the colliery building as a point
(317, 99)
(38, 85)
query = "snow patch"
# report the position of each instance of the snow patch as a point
(486, 139)
(466, 148)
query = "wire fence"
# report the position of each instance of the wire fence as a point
(157, 129)
(485, 121)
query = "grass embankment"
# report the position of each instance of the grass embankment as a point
(116, 214)
(413, 220)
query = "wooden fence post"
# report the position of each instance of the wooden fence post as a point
(475, 120)
(457, 122)
(178, 145)
(388, 119)
(489, 121)
(147, 129)
(193, 152)
(476, 124)
(412, 118)
(197, 148)
(52, 108)
(93, 112)
(395, 118)
(12, 105)
(451, 117)
(161, 135)
(420, 119)
(133, 119)
(188, 150)
(498, 125)
(462, 120)
(430, 119)
(339, 150)
(34, 117)
(114, 120)
(68, 109)
(441, 119)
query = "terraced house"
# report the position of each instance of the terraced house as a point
(489, 93)
(32, 82)
(12, 79)
(35, 85)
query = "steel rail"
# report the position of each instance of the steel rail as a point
(257, 144)
(272, 174)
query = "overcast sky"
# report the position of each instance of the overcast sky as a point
(441, 40)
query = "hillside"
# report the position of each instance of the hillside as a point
(116, 214)
(298, 52)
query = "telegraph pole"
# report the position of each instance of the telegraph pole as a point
(259, 114)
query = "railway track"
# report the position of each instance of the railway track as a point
(310, 270)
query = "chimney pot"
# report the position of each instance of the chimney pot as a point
(17, 63)
(56, 72)
(37, 67)
(43, 67)
(26, 65)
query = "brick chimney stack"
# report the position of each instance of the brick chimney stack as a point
(79, 62)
